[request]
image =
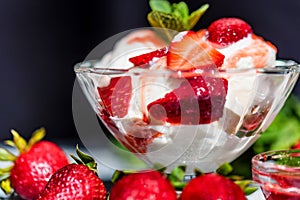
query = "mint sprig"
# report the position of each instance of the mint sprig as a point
(284, 132)
(176, 16)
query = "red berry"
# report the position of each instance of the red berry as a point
(145, 59)
(196, 96)
(116, 96)
(212, 187)
(33, 169)
(145, 185)
(74, 181)
(191, 52)
(226, 31)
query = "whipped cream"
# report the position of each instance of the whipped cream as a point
(209, 145)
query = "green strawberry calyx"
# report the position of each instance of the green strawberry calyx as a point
(22, 146)
(85, 159)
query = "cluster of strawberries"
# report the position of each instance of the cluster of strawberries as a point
(42, 171)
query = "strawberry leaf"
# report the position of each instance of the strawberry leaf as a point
(225, 169)
(247, 186)
(6, 155)
(10, 143)
(198, 172)
(176, 177)
(37, 136)
(19, 141)
(6, 170)
(160, 5)
(118, 174)
(85, 159)
(6, 186)
(177, 174)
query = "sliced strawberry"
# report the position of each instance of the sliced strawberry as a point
(198, 100)
(145, 59)
(226, 31)
(116, 96)
(189, 51)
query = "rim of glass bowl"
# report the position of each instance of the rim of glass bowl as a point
(261, 164)
(281, 67)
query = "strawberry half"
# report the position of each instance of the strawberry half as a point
(75, 181)
(226, 31)
(145, 59)
(198, 100)
(189, 51)
(117, 95)
(212, 186)
(32, 169)
(144, 185)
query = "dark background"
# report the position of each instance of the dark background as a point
(40, 41)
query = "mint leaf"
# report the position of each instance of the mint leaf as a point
(289, 161)
(175, 16)
(196, 15)
(160, 5)
(181, 10)
(284, 132)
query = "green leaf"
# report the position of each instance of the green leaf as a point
(247, 186)
(198, 172)
(176, 177)
(6, 186)
(284, 132)
(19, 141)
(37, 136)
(118, 174)
(177, 174)
(181, 10)
(10, 143)
(6, 170)
(6, 155)
(225, 169)
(77, 160)
(85, 159)
(250, 190)
(160, 5)
(196, 15)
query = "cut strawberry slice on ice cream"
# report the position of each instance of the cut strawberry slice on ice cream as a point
(198, 100)
(145, 59)
(117, 95)
(188, 51)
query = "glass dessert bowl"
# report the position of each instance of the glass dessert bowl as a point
(278, 174)
(200, 118)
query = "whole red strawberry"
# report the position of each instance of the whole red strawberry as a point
(211, 187)
(226, 31)
(145, 185)
(32, 169)
(75, 181)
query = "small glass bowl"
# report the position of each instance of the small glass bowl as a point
(278, 174)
